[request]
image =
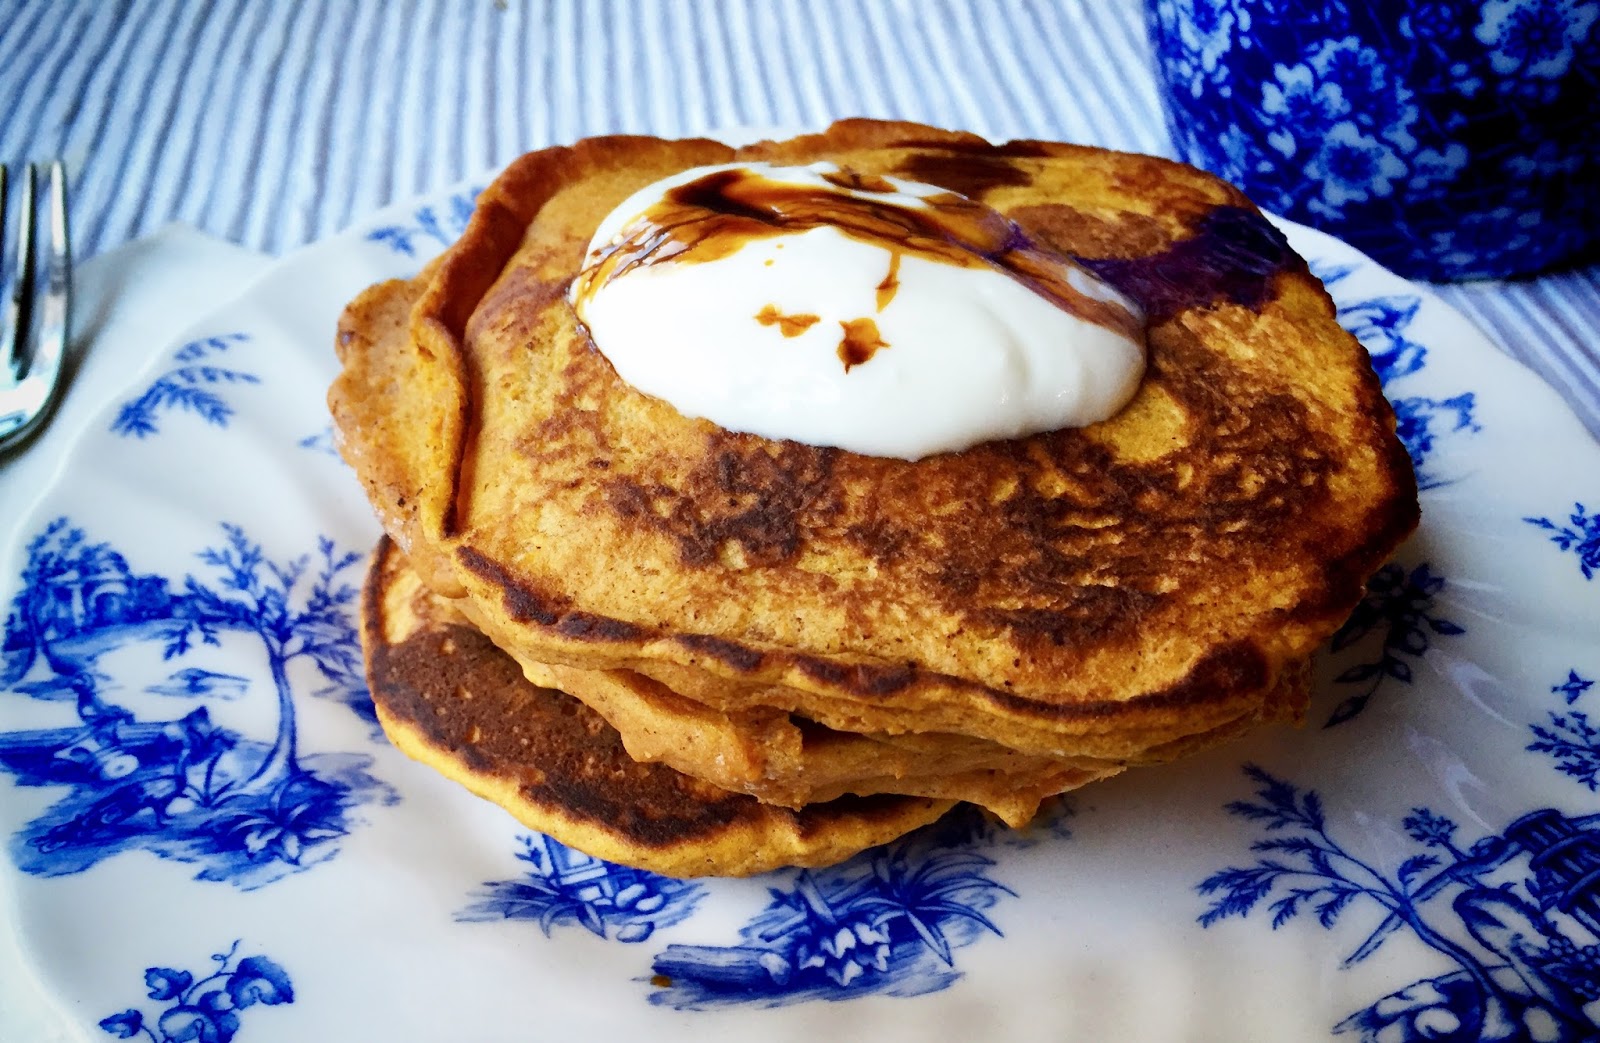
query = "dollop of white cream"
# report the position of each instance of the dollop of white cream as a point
(968, 353)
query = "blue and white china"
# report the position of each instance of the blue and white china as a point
(1448, 140)
(209, 839)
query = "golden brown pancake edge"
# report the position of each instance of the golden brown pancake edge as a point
(448, 698)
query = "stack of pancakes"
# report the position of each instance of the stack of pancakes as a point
(830, 648)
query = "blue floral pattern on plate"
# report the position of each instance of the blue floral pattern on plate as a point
(887, 921)
(1569, 737)
(185, 788)
(440, 223)
(193, 384)
(151, 643)
(566, 886)
(208, 1010)
(322, 442)
(1532, 969)
(1449, 140)
(1399, 604)
(1579, 534)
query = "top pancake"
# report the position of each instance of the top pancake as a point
(1166, 564)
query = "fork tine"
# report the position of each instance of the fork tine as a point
(10, 342)
(19, 312)
(56, 304)
(27, 398)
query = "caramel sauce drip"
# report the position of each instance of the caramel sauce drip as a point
(788, 325)
(861, 342)
(713, 216)
(891, 282)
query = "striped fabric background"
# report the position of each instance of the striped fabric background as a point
(275, 123)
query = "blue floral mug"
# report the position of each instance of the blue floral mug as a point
(1449, 139)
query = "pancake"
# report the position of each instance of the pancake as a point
(797, 623)
(1141, 584)
(448, 698)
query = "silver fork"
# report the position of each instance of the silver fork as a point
(33, 335)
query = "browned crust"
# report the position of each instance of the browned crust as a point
(1224, 673)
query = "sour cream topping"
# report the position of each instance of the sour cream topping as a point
(870, 313)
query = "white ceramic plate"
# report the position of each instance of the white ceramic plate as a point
(210, 840)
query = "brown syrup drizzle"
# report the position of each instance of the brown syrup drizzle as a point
(788, 325)
(861, 342)
(891, 282)
(713, 216)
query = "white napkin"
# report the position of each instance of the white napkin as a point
(129, 306)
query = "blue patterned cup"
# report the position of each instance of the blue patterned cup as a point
(1449, 139)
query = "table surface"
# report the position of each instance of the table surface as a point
(272, 125)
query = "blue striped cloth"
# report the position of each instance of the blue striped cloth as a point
(273, 124)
